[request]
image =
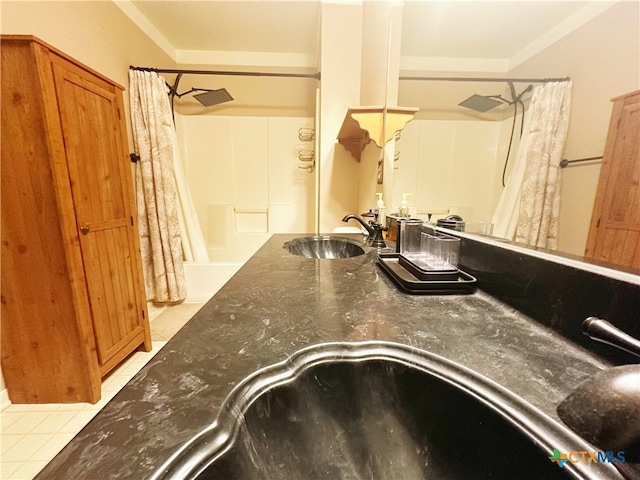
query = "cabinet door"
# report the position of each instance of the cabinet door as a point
(614, 235)
(100, 177)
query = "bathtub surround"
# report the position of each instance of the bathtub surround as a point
(244, 179)
(279, 303)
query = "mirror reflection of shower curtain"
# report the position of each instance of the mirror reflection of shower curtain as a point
(157, 194)
(529, 207)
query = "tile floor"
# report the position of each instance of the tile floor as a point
(31, 435)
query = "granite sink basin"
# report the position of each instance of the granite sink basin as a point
(377, 410)
(324, 246)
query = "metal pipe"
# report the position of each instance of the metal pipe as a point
(564, 163)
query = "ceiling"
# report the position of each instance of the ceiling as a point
(445, 29)
(453, 36)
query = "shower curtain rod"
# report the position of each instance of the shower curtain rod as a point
(488, 79)
(224, 72)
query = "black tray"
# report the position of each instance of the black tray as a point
(429, 275)
(409, 283)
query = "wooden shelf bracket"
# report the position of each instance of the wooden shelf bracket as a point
(361, 125)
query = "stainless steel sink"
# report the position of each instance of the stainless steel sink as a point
(324, 246)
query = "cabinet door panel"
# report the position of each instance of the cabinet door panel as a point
(110, 280)
(614, 234)
(97, 162)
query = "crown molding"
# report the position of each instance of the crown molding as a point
(137, 17)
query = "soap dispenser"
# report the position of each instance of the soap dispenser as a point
(380, 208)
(404, 206)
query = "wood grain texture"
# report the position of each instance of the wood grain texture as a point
(72, 306)
(614, 233)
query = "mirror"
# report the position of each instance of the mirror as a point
(452, 158)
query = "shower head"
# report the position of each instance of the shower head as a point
(481, 103)
(213, 97)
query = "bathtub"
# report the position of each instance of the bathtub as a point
(377, 410)
(205, 279)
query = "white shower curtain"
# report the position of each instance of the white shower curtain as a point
(158, 177)
(529, 207)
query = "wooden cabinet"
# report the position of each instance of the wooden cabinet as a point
(72, 295)
(614, 233)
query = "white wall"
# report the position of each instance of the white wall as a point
(341, 49)
(245, 181)
(449, 166)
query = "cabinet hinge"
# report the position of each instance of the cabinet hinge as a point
(143, 314)
(598, 224)
(131, 221)
(119, 115)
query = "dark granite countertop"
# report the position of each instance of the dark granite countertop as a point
(278, 303)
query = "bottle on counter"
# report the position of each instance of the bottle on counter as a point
(404, 206)
(381, 209)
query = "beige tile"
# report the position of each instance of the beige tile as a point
(73, 407)
(114, 383)
(20, 408)
(27, 471)
(40, 407)
(173, 319)
(8, 418)
(78, 422)
(26, 423)
(132, 367)
(52, 447)
(8, 469)
(8, 441)
(55, 422)
(26, 448)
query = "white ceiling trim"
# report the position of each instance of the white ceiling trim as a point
(266, 59)
(444, 64)
(561, 30)
(131, 11)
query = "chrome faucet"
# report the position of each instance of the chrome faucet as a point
(373, 228)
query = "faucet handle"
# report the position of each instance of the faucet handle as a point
(379, 226)
(602, 331)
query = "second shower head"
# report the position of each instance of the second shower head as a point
(484, 103)
(481, 103)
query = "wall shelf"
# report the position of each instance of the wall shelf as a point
(377, 123)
